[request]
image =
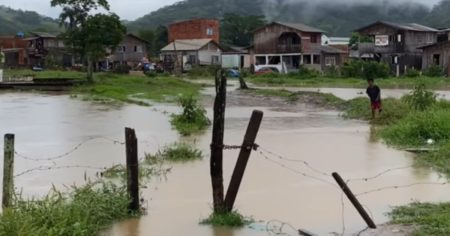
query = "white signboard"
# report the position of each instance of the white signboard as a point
(381, 40)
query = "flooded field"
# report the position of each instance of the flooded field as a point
(287, 180)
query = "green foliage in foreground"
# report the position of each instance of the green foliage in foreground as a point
(438, 159)
(232, 219)
(193, 118)
(178, 152)
(432, 219)
(125, 87)
(85, 211)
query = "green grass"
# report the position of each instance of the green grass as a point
(126, 88)
(232, 219)
(85, 211)
(46, 74)
(178, 152)
(432, 219)
(320, 82)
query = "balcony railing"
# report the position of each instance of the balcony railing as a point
(372, 48)
(289, 48)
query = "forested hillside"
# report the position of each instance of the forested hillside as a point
(13, 21)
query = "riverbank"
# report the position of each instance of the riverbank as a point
(406, 123)
(321, 82)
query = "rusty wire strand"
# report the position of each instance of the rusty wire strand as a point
(380, 174)
(307, 164)
(400, 187)
(72, 150)
(48, 168)
(266, 157)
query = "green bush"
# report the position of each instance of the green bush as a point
(193, 118)
(85, 211)
(203, 71)
(365, 69)
(421, 98)
(433, 71)
(419, 126)
(412, 73)
(180, 152)
(122, 69)
(332, 72)
(151, 74)
(232, 219)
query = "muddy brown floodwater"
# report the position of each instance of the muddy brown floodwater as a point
(286, 190)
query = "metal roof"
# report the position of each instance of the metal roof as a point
(301, 27)
(44, 34)
(187, 45)
(326, 49)
(403, 26)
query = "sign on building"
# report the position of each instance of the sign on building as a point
(381, 40)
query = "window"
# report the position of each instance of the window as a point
(121, 48)
(399, 38)
(394, 60)
(215, 60)
(307, 59)
(313, 38)
(330, 61)
(138, 48)
(209, 31)
(260, 60)
(192, 59)
(436, 59)
(316, 59)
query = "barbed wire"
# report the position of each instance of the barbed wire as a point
(366, 179)
(307, 164)
(72, 150)
(278, 230)
(400, 187)
(266, 157)
(53, 167)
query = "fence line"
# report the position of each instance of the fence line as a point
(49, 168)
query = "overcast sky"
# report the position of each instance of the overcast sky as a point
(126, 9)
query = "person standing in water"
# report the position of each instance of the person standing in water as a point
(374, 93)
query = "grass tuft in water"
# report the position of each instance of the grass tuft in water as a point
(177, 152)
(231, 219)
(193, 119)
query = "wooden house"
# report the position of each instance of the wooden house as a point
(438, 53)
(132, 51)
(397, 44)
(292, 45)
(193, 52)
(45, 48)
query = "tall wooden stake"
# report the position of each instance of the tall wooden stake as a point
(244, 155)
(132, 169)
(354, 201)
(216, 161)
(8, 170)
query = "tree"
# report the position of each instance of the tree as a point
(237, 30)
(97, 34)
(75, 12)
(89, 36)
(358, 38)
(157, 38)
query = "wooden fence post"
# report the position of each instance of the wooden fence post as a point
(132, 168)
(246, 149)
(216, 162)
(354, 201)
(8, 170)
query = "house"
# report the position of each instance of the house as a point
(397, 44)
(15, 51)
(292, 45)
(236, 57)
(438, 53)
(193, 52)
(194, 29)
(132, 51)
(46, 48)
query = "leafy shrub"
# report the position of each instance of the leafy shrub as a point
(305, 73)
(417, 127)
(421, 98)
(412, 73)
(151, 74)
(193, 118)
(84, 211)
(365, 69)
(332, 72)
(433, 71)
(231, 219)
(180, 152)
(122, 69)
(203, 71)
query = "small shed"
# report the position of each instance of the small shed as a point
(236, 57)
(193, 51)
(437, 54)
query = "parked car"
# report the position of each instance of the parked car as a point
(266, 70)
(233, 73)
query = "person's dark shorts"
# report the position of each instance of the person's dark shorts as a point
(376, 105)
